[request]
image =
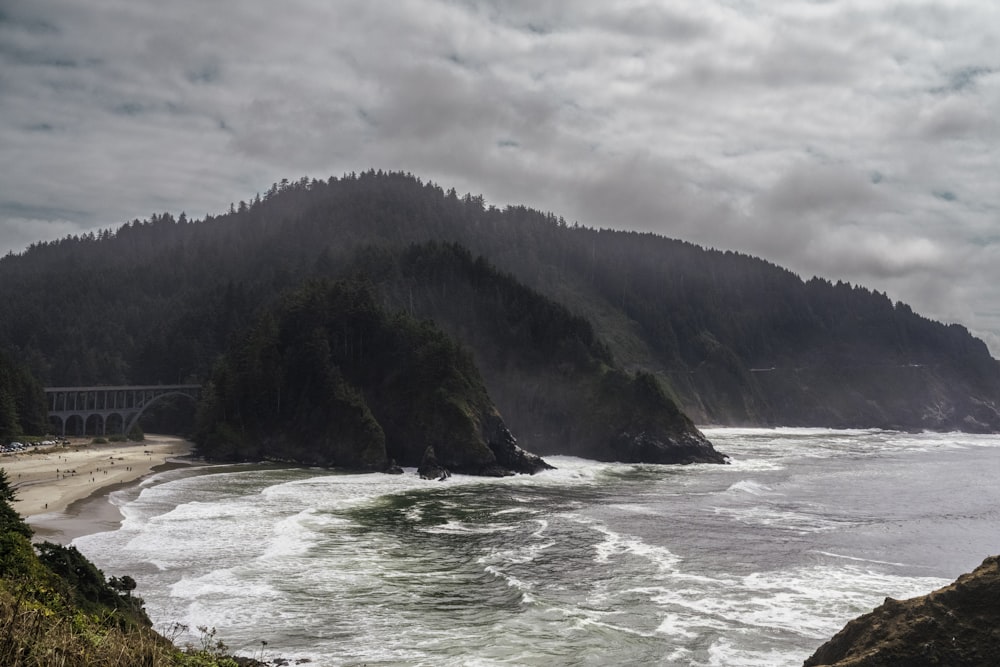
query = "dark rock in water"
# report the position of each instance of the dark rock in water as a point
(631, 419)
(392, 468)
(955, 626)
(683, 447)
(430, 468)
(494, 470)
(510, 457)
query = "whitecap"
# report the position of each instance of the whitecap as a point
(749, 486)
(862, 560)
(723, 653)
(676, 625)
(791, 520)
(616, 545)
(523, 587)
(453, 527)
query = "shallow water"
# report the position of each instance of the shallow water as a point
(754, 563)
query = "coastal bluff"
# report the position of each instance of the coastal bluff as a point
(954, 626)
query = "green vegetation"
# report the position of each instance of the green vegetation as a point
(22, 402)
(332, 379)
(732, 338)
(545, 366)
(57, 608)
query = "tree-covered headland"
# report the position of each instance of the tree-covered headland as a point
(731, 339)
(332, 379)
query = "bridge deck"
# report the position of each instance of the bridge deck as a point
(129, 387)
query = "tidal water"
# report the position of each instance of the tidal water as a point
(754, 563)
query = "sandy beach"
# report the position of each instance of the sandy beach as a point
(61, 491)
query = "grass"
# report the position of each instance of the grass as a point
(34, 634)
(44, 633)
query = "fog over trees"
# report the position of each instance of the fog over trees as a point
(734, 339)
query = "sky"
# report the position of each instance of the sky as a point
(857, 141)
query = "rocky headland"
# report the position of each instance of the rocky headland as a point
(328, 377)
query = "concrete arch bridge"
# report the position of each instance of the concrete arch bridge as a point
(104, 410)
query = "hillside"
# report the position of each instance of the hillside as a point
(736, 340)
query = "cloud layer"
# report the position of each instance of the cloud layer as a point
(856, 141)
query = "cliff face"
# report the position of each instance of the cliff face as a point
(955, 626)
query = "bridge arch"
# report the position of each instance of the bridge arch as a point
(74, 422)
(94, 422)
(134, 419)
(74, 410)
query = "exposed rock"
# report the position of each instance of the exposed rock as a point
(504, 446)
(955, 626)
(430, 468)
(683, 447)
(393, 468)
(631, 419)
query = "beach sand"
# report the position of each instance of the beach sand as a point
(62, 491)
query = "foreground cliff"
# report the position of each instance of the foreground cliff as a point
(58, 608)
(956, 626)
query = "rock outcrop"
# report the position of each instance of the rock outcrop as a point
(682, 447)
(955, 626)
(431, 468)
(632, 420)
(504, 446)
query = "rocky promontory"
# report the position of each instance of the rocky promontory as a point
(632, 420)
(328, 377)
(955, 626)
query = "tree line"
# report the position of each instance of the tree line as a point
(734, 338)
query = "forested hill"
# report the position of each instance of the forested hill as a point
(738, 340)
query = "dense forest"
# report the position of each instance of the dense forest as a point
(328, 376)
(331, 379)
(732, 338)
(22, 402)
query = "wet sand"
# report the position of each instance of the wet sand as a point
(63, 491)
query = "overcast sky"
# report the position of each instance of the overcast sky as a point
(851, 140)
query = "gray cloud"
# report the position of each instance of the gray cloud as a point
(855, 142)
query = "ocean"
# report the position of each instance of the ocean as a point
(753, 563)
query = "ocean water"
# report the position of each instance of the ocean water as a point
(754, 563)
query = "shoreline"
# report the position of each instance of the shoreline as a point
(64, 492)
(92, 514)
